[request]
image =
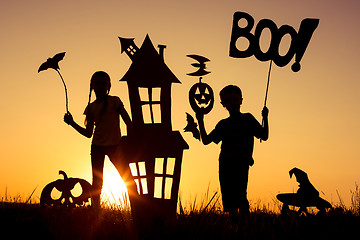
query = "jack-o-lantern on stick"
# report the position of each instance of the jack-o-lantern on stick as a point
(201, 95)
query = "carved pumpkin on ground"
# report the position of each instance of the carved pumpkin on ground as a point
(64, 186)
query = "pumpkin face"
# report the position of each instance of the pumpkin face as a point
(64, 186)
(201, 97)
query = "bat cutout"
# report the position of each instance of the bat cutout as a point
(52, 62)
(201, 65)
(192, 126)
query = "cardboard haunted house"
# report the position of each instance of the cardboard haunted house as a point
(154, 151)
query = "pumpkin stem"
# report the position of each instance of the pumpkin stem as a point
(61, 172)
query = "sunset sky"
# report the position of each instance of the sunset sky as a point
(314, 113)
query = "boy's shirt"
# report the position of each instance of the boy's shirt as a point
(237, 136)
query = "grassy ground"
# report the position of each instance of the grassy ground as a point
(24, 220)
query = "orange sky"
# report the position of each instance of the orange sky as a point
(313, 113)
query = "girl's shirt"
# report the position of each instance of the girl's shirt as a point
(105, 115)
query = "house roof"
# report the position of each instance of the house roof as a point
(148, 68)
(125, 43)
(161, 143)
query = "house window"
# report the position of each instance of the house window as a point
(131, 50)
(164, 175)
(138, 171)
(150, 104)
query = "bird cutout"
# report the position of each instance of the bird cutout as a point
(201, 65)
(306, 195)
(52, 62)
(192, 127)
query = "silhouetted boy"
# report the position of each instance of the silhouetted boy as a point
(237, 135)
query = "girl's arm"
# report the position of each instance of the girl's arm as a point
(87, 132)
(125, 116)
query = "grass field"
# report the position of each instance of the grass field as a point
(21, 219)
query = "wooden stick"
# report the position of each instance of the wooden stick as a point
(267, 90)
(267, 85)
(66, 95)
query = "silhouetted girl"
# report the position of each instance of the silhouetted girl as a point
(103, 114)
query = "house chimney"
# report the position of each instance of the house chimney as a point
(161, 51)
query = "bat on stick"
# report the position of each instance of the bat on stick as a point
(54, 64)
(201, 65)
(192, 126)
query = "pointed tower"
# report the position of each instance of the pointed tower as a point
(154, 151)
(149, 80)
(128, 45)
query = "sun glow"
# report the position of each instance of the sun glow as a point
(114, 191)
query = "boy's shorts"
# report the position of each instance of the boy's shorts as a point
(233, 182)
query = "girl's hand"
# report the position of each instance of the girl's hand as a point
(68, 118)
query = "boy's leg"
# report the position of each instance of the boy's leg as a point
(97, 163)
(234, 216)
(244, 209)
(244, 203)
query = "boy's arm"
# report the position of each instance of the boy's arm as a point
(265, 127)
(87, 132)
(204, 136)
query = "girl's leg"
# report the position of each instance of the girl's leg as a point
(97, 163)
(125, 174)
(122, 166)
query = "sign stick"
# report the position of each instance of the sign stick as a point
(267, 90)
(267, 85)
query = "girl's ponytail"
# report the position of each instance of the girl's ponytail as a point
(98, 74)
(88, 105)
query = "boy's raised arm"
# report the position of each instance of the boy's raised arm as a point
(265, 133)
(204, 136)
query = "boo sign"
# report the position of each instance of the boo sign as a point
(298, 44)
